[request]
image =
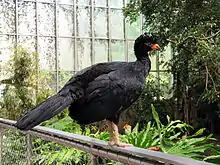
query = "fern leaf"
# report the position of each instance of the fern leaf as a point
(156, 117)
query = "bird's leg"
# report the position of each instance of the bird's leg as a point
(110, 130)
(114, 135)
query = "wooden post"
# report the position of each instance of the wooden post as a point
(94, 160)
(29, 149)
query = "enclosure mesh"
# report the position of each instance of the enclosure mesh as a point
(16, 151)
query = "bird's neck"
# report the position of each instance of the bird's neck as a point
(144, 63)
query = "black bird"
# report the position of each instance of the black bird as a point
(101, 91)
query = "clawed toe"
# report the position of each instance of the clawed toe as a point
(111, 143)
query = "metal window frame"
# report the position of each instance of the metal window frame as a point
(56, 45)
(75, 38)
(109, 31)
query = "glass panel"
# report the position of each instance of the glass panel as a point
(64, 78)
(83, 22)
(127, 2)
(66, 2)
(165, 57)
(117, 50)
(131, 55)
(26, 18)
(133, 30)
(66, 54)
(100, 18)
(153, 60)
(83, 53)
(49, 80)
(116, 3)
(165, 83)
(27, 42)
(101, 51)
(47, 53)
(100, 2)
(82, 2)
(7, 44)
(46, 19)
(47, 1)
(7, 16)
(116, 24)
(65, 20)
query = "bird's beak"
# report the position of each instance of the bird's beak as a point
(155, 47)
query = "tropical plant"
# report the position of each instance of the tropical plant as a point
(173, 138)
(53, 153)
(193, 29)
(144, 139)
(24, 87)
(13, 148)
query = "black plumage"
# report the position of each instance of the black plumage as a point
(101, 91)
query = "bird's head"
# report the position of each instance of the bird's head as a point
(145, 43)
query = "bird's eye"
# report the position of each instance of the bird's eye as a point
(148, 44)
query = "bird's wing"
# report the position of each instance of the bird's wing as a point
(119, 86)
(89, 74)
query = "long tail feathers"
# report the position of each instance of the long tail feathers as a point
(44, 111)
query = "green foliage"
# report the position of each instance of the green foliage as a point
(144, 139)
(25, 87)
(52, 153)
(65, 124)
(193, 29)
(176, 19)
(154, 93)
(188, 147)
(13, 148)
(169, 138)
(19, 88)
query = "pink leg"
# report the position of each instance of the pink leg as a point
(114, 135)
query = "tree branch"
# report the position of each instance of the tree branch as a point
(206, 38)
(207, 72)
(197, 38)
(171, 41)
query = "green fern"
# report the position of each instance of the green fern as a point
(143, 139)
(169, 138)
(212, 157)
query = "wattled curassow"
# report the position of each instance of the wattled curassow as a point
(101, 91)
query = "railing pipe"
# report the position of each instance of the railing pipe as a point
(128, 155)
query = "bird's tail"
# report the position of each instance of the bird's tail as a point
(44, 111)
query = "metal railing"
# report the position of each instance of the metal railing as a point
(97, 148)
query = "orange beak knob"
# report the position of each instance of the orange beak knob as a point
(155, 47)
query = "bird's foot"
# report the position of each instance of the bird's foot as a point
(119, 144)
